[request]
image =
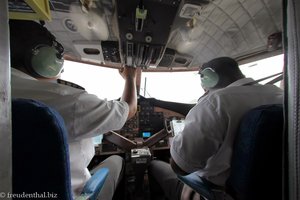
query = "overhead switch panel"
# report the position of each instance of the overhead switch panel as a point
(144, 28)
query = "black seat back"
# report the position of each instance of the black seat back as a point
(40, 151)
(256, 171)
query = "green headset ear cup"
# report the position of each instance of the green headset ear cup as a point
(45, 63)
(209, 78)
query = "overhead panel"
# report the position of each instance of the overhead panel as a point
(144, 28)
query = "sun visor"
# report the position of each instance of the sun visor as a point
(29, 10)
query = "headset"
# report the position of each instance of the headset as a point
(44, 58)
(209, 78)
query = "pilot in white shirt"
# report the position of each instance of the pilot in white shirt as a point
(205, 144)
(85, 115)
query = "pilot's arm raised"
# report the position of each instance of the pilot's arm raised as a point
(129, 93)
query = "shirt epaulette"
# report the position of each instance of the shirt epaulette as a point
(68, 83)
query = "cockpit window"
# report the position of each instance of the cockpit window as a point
(182, 87)
(263, 68)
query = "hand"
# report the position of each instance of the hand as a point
(128, 72)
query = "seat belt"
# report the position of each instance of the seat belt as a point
(280, 76)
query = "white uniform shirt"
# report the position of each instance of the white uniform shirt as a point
(205, 144)
(85, 116)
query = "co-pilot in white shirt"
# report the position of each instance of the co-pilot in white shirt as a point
(205, 144)
(85, 116)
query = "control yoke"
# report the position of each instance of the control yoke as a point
(127, 144)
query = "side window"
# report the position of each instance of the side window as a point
(263, 68)
(106, 83)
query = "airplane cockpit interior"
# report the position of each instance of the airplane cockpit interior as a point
(167, 36)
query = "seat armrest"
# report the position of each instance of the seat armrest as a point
(94, 185)
(201, 186)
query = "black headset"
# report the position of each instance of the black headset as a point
(46, 60)
(42, 55)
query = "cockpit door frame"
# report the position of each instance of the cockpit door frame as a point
(5, 106)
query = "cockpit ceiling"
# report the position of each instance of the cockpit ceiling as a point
(201, 30)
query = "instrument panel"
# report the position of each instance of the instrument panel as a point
(146, 129)
(144, 124)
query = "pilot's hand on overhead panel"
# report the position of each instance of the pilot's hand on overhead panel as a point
(128, 72)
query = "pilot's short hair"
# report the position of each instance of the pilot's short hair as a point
(28, 32)
(226, 69)
(221, 63)
(224, 66)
